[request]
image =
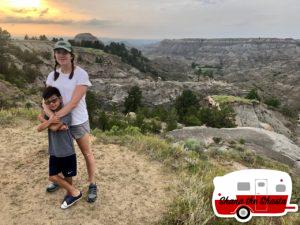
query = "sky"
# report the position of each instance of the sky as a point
(152, 19)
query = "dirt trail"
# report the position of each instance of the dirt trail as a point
(133, 189)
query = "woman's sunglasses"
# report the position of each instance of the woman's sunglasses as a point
(48, 102)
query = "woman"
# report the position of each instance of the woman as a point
(72, 81)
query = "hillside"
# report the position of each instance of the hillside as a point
(268, 64)
(112, 78)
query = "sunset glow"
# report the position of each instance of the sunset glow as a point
(25, 3)
(152, 19)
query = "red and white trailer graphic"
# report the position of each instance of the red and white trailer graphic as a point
(254, 192)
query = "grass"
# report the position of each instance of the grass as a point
(223, 99)
(13, 115)
(98, 52)
(196, 170)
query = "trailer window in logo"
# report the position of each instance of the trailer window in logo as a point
(243, 186)
(261, 184)
(280, 188)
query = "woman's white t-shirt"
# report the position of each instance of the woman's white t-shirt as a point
(66, 88)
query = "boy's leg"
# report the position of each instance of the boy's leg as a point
(64, 184)
(70, 181)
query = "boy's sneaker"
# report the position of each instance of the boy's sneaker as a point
(70, 200)
(92, 193)
(52, 187)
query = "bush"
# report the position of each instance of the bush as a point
(47, 55)
(172, 120)
(133, 100)
(273, 102)
(242, 141)
(253, 95)
(191, 120)
(131, 130)
(193, 144)
(217, 140)
(217, 118)
(103, 121)
(184, 102)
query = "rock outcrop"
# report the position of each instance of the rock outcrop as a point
(85, 37)
(269, 143)
(256, 115)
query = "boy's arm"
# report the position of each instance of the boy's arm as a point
(48, 112)
(52, 126)
(44, 125)
(56, 126)
(41, 117)
(49, 124)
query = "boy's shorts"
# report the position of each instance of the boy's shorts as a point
(65, 165)
(78, 131)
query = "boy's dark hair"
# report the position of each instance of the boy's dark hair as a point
(49, 91)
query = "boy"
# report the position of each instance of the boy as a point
(61, 148)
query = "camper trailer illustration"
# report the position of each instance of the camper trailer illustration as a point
(252, 192)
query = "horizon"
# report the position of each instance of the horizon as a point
(21, 37)
(170, 19)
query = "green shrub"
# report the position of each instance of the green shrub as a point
(185, 102)
(193, 144)
(273, 102)
(47, 55)
(133, 100)
(217, 118)
(191, 120)
(171, 120)
(103, 121)
(242, 141)
(217, 140)
(115, 130)
(253, 95)
(131, 130)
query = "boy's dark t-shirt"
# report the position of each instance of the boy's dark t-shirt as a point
(61, 142)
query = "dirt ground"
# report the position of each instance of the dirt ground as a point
(133, 189)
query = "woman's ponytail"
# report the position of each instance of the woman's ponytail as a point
(73, 67)
(56, 74)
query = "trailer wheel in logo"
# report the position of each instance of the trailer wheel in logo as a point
(254, 192)
(243, 213)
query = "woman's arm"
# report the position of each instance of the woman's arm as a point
(78, 94)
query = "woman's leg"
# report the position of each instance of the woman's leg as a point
(84, 145)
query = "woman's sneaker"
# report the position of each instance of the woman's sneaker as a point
(70, 200)
(52, 187)
(92, 193)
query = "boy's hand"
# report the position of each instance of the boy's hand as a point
(54, 119)
(64, 127)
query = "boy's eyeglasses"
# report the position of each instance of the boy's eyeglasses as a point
(48, 102)
(61, 51)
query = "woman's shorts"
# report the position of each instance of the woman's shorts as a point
(78, 131)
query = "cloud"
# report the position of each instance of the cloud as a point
(44, 12)
(30, 20)
(24, 10)
(210, 1)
